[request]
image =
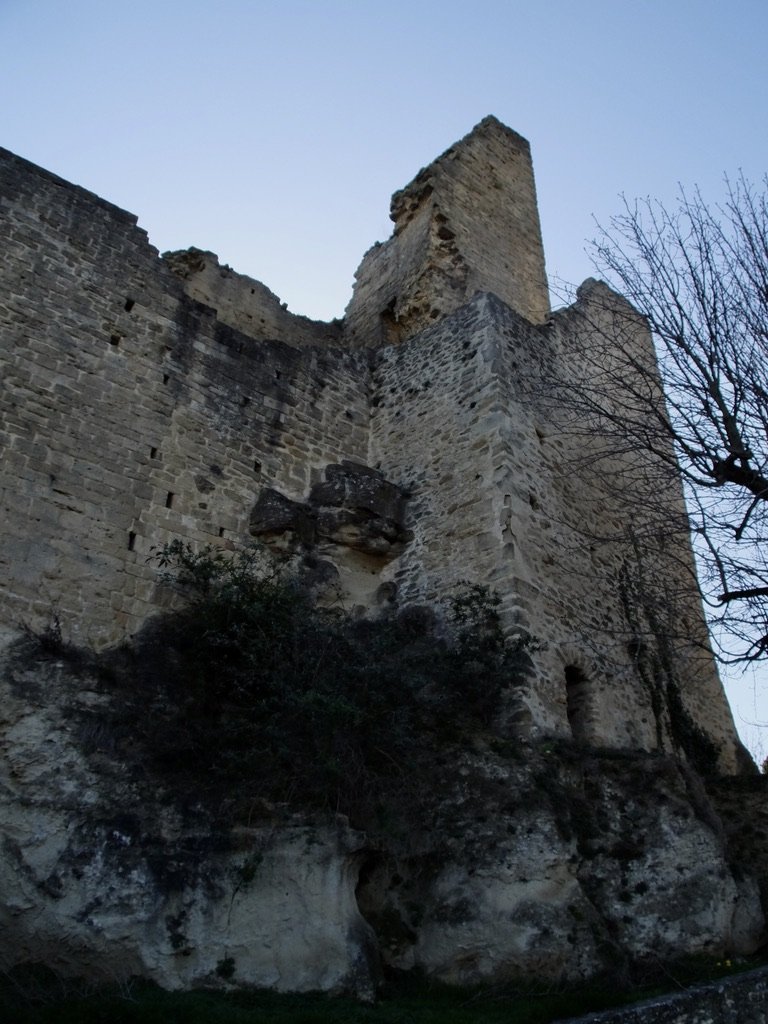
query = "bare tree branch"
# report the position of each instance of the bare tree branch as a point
(697, 276)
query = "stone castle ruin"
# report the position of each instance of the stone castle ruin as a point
(147, 399)
(406, 448)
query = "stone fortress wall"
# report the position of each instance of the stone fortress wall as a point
(132, 414)
(149, 398)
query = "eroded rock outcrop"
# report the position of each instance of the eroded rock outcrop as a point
(546, 860)
(105, 873)
(563, 864)
(349, 529)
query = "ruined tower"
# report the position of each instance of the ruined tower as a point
(466, 223)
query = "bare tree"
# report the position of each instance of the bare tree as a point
(698, 277)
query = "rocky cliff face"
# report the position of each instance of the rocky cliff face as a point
(105, 873)
(546, 860)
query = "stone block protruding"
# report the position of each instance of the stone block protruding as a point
(354, 507)
(466, 223)
(352, 485)
(274, 515)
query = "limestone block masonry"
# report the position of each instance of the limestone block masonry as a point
(148, 398)
(409, 448)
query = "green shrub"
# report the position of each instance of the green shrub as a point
(252, 690)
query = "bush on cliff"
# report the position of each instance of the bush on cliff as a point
(251, 690)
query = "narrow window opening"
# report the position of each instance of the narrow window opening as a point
(169, 499)
(506, 525)
(166, 378)
(153, 453)
(256, 466)
(131, 540)
(577, 696)
(114, 339)
(391, 329)
(129, 304)
(277, 375)
(221, 531)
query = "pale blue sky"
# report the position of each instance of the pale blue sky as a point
(273, 133)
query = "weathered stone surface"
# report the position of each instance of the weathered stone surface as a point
(562, 867)
(105, 875)
(354, 507)
(742, 806)
(354, 486)
(354, 512)
(359, 509)
(275, 515)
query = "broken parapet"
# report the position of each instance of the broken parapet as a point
(245, 304)
(468, 222)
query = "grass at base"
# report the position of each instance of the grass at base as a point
(148, 1005)
(38, 997)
